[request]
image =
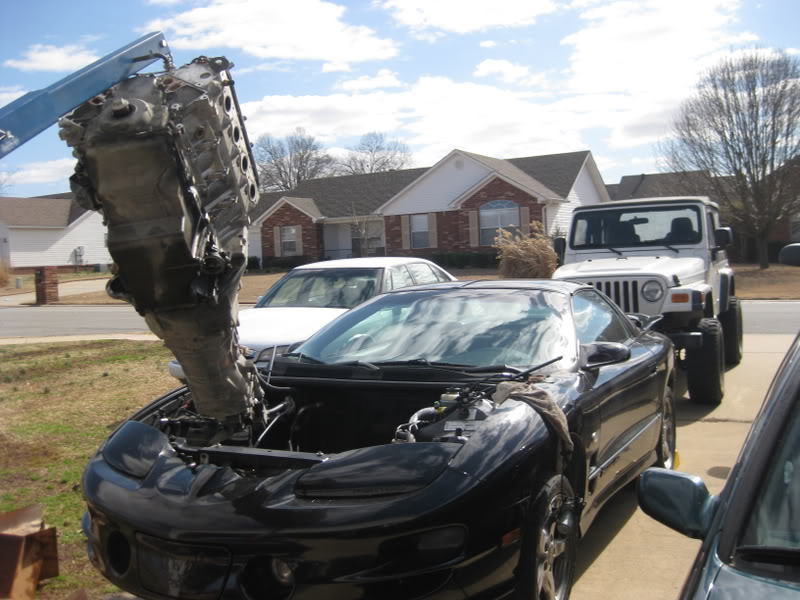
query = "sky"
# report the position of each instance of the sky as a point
(503, 78)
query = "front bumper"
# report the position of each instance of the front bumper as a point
(159, 569)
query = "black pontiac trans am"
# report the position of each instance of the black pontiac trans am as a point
(447, 441)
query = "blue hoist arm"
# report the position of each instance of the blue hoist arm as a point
(29, 115)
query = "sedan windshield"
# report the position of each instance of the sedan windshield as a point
(323, 288)
(468, 327)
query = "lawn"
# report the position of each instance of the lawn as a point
(778, 282)
(57, 403)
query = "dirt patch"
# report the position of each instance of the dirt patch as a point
(779, 282)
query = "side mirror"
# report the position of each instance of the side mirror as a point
(600, 354)
(642, 321)
(678, 500)
(560, 246)
(723, 237)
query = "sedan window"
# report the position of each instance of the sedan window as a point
(772, 533)
(422, 273)
(328, 288)
(401, 277)
(596, 320)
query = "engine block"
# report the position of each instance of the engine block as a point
(166, 159)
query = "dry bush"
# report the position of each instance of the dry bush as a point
(5, 274)
(530, 256)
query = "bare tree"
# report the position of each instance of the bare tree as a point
(284, 162)
(363, 229)
(741, 130)
(374, 154)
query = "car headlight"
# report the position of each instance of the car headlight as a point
(652, 291)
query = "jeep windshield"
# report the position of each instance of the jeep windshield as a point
(636, 226)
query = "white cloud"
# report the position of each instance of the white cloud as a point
(385, 78)
(632, 64)
(44, 57)
(488, 44)
(509, 72)
(433, 115)
(280, 65)
(9, 94)
(297, 30)
(50, 171)
(458, 16)
(650, 47)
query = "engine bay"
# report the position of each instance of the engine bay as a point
(334, 419)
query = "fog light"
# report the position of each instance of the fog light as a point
(441, 545)
(282, 571)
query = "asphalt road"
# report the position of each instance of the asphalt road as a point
(760, 316)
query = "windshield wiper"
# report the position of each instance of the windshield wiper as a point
(673, 248)
(419, 362)
(779, 555)
(493, 369)
(613, 249)
(306, 357)
(357, 363)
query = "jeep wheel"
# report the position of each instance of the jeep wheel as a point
(706, 365)
(731, 321)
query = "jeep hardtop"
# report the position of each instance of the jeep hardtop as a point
(664, 257)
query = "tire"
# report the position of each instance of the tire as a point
(706, 365)
(547, 557)
(731, 321)
(665, 450)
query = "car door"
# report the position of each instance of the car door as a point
(625, 393)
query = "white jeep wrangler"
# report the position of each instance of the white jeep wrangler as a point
(664, 257)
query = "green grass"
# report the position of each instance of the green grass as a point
(58, 402)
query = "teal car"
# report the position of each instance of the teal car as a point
(751, 531)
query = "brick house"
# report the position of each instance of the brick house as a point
(457, 205)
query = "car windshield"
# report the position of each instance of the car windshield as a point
(457, 326)
(773, 525)
(636, 226)
(323, 288)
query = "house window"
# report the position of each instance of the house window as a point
(289, 240)
(419, 231)
(497, 215)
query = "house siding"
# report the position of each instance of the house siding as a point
(452, 227)
(55, 247)
(287, 215)
(583, 193)
(433, 193)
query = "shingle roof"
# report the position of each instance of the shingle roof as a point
(363, 194)
(54, 210)
(556, 171)
(653, 185)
